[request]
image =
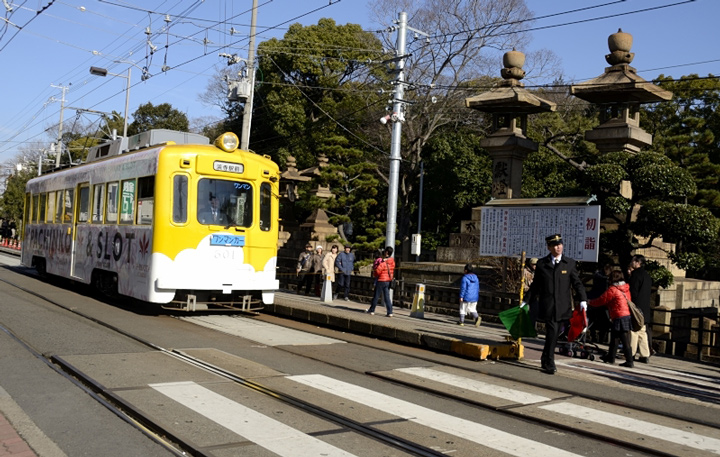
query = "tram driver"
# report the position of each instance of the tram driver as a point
(211, 214)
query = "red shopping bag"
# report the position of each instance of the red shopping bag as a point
(578, 324)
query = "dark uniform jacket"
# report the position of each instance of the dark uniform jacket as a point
(552, 287)
(640, 289)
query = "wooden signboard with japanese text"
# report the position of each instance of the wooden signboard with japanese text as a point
(508, 231)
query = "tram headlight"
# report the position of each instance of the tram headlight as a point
(228, 142)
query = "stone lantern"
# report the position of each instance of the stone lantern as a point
(290, 179)
(317, 225)
(619, 92)
(509, 102)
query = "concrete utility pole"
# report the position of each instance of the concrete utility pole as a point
(247, 111)
(397, 117)
(58, 149)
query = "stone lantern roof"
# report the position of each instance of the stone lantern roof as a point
(510, 95)
(620, 82)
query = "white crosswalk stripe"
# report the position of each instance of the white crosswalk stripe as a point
(628, 424)
(261, 332)
(264, 431)
(475, 385)
(509, 443)
(641, 427)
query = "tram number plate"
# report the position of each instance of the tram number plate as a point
(227, 240)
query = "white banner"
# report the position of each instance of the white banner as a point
(507, 231)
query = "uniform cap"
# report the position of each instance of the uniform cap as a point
(533, 261)
(554, 240)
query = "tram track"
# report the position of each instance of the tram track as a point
(690, 391)
(145, 424)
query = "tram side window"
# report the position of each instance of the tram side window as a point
(265, 208)
(127, 198)
(51, 206)
(111, 212)
(97, 203)
(180, 199)
(26, 210)
(145, 199)
(41, 208)
(69, 206)
(84, 203)
(34, 212)
(58, 206)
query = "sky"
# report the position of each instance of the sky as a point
(46, 45)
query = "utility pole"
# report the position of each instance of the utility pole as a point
(397, 118)
(247, 111)
(60, 126)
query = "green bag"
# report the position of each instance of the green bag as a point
(518, 322)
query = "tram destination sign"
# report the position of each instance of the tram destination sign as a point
(508, 231)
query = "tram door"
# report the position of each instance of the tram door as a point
(80, 221)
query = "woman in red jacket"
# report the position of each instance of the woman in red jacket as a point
(384, 272)
(616, 299)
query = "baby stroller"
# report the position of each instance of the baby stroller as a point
(576, 345)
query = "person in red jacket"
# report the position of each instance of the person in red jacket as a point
(616, 299)
(384, 272)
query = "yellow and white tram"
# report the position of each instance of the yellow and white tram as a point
(163, 218)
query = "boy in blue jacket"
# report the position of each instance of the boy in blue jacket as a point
(469, 295)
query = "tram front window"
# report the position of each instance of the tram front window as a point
(226, 203)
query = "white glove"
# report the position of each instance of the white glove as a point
(583, 305)
(522, 304)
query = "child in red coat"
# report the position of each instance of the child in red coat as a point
(616, 299)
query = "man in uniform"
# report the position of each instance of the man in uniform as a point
(555, 278)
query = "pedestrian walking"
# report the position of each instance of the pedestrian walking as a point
(345, 264)
(469, 295)
(556, 276)
(317, 268)
(598, 318)
(616, 299)
(328, 269)
(384, 272)
(528, 277)
(640, 289)
(302, 270)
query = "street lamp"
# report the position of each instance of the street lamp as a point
(97, 71)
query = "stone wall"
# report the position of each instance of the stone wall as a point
(689, 293)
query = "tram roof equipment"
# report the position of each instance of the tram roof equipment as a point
(152, 137)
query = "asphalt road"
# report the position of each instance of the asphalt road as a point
(279, 387)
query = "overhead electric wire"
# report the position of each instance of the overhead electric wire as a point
(564, 24)
(205, 54)
(278, 27)
(326, 113)
(20, 29)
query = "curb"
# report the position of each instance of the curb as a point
(376, 328)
